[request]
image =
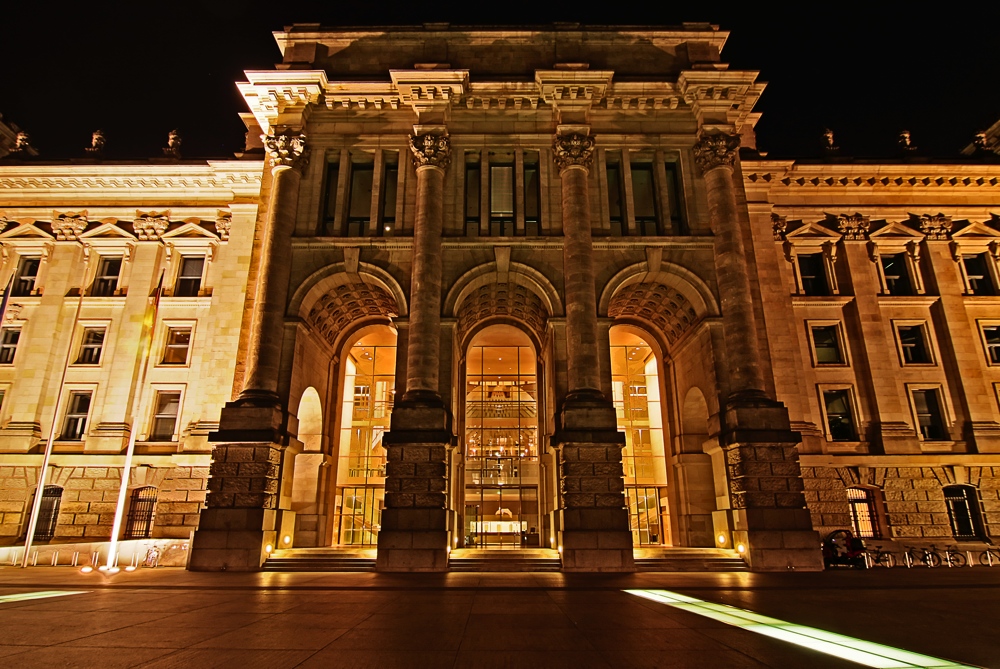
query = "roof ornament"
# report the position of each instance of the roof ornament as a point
(905, 141)
(173, 147)
(22, 145)
(97, 142)
(829, 143)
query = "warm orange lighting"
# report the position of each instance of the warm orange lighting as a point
(268, 548)
(741, 548)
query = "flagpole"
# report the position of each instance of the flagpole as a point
(40, 487)
(149, 325)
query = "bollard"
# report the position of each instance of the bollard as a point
(969, 555)
(907, 559)
(76, 558)
(55, 558)
(34, 559)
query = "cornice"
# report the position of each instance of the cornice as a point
(777, 174)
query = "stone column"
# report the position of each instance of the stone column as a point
(769, 515)
(241, 517)
(595, 533)
(414, 533)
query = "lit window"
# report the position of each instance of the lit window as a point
(91, 346)
(77, 410)
(48, 513)
(992, 336)
(927, 405)
(913, 344)
(977, 274)
(8, 345)
(826, 344)
(616, 199)
(839, 417)
(964, 511)
(501, 200)
(26, 277)
(862, 504)
(897, 276)
(106, 282)
(167, 406)
(390, 182)
(188, 282)
(644, 199)
(813, 274)
(142, 503)
(359, 205)
(175, 349)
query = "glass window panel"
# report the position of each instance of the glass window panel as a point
(8, 345)
(106, 281)
(501, 191)
(27, 275)
(360, 206)
(929, 419)
(897, 275)
(826, 341)
(992, 336)
(643, 191)
(913, 343)
(838, 414)
(977, 273)
(813, 274)
(175, 350)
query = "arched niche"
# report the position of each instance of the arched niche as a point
(310, 415)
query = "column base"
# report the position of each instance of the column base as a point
(232, 539)
(596, 540)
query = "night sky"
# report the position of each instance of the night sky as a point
(139, 69)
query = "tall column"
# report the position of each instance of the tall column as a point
(414, 532)
(242, 515)
(769, 515)
(594, 529)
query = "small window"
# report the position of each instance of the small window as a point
(359, 206)
(927, 405)
(26, 277)
(897, 275)
(813, 274)
(48, 513)
(109, 270)
(188, 282)
(91, 346)
(175, 349)
(644, 199)
(964, 512)
(839, 418)
(8, 344)
(167, 406)
(863, 519)
(390, 182)
(616, 200)
(330, 210)
(77, 410)
(501, 200)
(532, 195)
(473, 184)
(826, 344)
(991, 335)
(142, 504)
(913, 343)
(675, 199)
(977, 274)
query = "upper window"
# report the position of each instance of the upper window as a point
(991, 337)
(896, 272)
(930, 420)
(109, 270)
(189, 276)
(91, 346)
(387, 206)
(77, 410)
(644, 199)
(964, 512)
(166, 407)
(501, 200)
(330, 210)
(839, 415)
(473, 188)
(978, 280)
(864, 520)
(826, 345)
(674, 208)
(812, 272)
(8, 344)
(616, 200)
(359, 204)
(913, 344)
(175, 349)
(26, 277)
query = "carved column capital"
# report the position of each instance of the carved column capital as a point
(854, 227)
(150, 225)
(573, 150)
(716, 149)
(431, 149)
(285, 149)
(936, 227)
(67, 227)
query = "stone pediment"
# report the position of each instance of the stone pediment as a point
(812, 232)
(895, 231)
(108, 230)
(189, 230)
(26, 231)
(976, 232)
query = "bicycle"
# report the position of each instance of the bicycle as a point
(881, 558)
(152, 557)
(990, 556)
(925, 557)
(953, 557)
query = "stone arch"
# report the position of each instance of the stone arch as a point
(701, 473)
(499, 302)
(664, 308)
(345, 304)
(680, 279)
(694, 412)
(325, 279)
(517, 274)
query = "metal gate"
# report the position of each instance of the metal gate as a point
(140, 513)
(48, 514)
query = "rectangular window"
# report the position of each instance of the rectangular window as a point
(359, 205)
(616, 200)
(826, 344)
(927, 405)
(913, 344)
(390, 182)
(26, 277)
(77, 410)
(644, 199)
(8, 344)
(977, 274)
(189, 276)
(838, 415)
(106, 282)
(473, 184)
(91, 346)
(330, 210)
(675, 199)
(897, 275)
(167, 406)
(813, 274)
(862, 504)
(991, 335)
(532, 195)
(501, 200)
(175, 349)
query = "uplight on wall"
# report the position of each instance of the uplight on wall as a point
(287, 539)
(268, 549)
(741, 549)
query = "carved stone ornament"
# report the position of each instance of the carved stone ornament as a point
(431, 149)
(223, 223)
(149, 226)
(573, 150)
(13, 312)
(285, 148)
(173, 147)
(67, 227)
(854, 227)
(716, 149)
(936, 227)
(22, 143)
(98, 140)
(779, 226)
(3, 222)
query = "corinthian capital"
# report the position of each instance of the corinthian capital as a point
(716, 149)
(573, 150)
(431, 149)
(286, 148)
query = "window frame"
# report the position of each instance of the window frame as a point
(6, 346)
(872, 501)
(102, 258)
(989, 272)
(506, 223)
(983, 325)
(893, 238)
(975, 507)
(69, 394)
(357, 167)
(387, 210)
(841, 344)
(182, 258)
(927, 336)
(81, 343)
(613, 161)
(331, 197)
(156, 391)
(944, 407)
(853, 411)
(641, 225)
(35, 289)
(163, 342)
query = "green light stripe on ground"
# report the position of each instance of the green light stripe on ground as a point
(837, 645)
(22, 596)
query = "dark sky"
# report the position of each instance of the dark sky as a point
(139, 69)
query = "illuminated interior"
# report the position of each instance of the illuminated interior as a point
(635, 384)
(369, 390)
(501, 441)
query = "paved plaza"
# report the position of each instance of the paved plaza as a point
(173, 618)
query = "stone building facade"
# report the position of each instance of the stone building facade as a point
(512, 289)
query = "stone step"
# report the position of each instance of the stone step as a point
(487, 564)
(319, 564)
(688, 559)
